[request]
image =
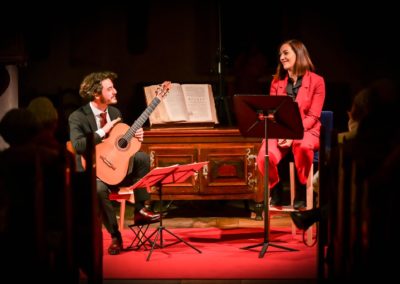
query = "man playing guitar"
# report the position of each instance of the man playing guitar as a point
(100, 118)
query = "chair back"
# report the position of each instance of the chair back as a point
(327, 124)
(326, 133)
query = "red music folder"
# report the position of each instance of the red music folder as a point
(182, 172)
(171, 174)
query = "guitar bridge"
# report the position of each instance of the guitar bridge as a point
(107, 162)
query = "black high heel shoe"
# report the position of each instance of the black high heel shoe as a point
(304, 219)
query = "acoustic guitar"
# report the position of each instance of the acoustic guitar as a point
(114, 153)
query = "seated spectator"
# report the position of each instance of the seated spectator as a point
(32, 202)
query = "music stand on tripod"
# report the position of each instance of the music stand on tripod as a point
(166, 175)
(268, 117)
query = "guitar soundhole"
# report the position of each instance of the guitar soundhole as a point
(122, 143)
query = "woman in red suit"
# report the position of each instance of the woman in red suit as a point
(295, 78)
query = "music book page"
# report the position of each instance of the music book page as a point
(184, 103)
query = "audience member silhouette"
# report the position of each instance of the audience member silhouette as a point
(367, 231)
(376, 155)
(47, 117)
(359, 109)
(32, 200)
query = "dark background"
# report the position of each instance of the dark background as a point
(148, 42)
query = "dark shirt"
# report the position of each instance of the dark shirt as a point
(292, 89)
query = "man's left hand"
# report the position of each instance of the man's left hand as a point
(139, 134)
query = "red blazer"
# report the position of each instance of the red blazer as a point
(310, 98)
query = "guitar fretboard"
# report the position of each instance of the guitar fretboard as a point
(141, 120)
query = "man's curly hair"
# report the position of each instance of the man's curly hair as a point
(91, 84)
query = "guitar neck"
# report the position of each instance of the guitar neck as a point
(142, 119)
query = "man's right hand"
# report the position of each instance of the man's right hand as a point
(109, 125)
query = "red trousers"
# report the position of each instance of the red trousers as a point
(303, 153)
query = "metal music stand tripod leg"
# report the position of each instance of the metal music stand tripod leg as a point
(159, 232)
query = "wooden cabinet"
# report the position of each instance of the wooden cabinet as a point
(231, 172)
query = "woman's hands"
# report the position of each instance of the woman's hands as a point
(285, 143)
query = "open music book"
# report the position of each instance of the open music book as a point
(185, 105)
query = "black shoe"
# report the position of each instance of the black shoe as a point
(304, 219)
(299, 204)
(145, 216)
(116, 246)
(277, 195)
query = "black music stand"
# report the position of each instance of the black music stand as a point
(281, 118)
(167, 175)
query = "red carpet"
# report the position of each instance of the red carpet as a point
(221, 256)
